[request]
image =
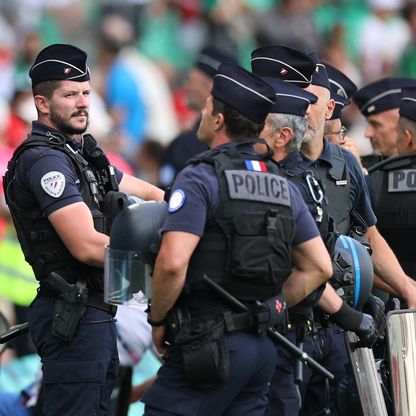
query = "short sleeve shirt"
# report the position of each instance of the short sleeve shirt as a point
(195, 199)
(46, 178)
(359, 198)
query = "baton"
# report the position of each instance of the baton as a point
(14, 332)
(272, 333)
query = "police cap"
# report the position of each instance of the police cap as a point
(245, 92)
(210, 59)
(320, 76)
(288, 64)
(381, 95)
(289, 98)
(342, 89)
(408, 103)
(60, 62)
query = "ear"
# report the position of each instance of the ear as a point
(218, 121)
(42, 104)
(284, 137)
(330, 107)
(410, 140)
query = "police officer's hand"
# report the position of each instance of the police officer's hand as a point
(159, 337)
(271, 313)
(375, 307)
(366, 332)
(360, 323)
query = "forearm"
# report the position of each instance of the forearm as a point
(166, 288)
(386, 265)
(330, 302)
(144, 190)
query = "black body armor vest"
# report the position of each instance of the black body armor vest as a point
(392, 185)
(41, 245)
(246, 245)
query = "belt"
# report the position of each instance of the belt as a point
(94, 300)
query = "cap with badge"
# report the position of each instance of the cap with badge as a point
(289, 98)
(342, 89)
(283, 62)
(381, 95)
(245, 92)
(60, 62)
(320, 76)
(210, 59)
(408, 103)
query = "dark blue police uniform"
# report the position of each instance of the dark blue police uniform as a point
(46, 179)
(252, 356)
(179, 151)
(325, 345)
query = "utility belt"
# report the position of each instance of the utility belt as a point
(201, 338)
(70, 302)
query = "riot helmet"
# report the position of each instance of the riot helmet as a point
(353, 271)
(134, 243)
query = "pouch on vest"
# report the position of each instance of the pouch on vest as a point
(205, 355)
(256, 253)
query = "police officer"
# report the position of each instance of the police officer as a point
(345, 195)
(230, 219)
(284, 130)
(379, 103)
(342, 89)
(392, 185)
(198, 86)
(58, 184)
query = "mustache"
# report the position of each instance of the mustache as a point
(80, 113)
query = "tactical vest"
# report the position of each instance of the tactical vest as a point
(246, 246)
(392, 186)
(330, 190)
(41, 245)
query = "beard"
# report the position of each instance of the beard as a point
(65, 126)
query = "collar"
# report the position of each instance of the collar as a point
(43, 130)
(299, 160)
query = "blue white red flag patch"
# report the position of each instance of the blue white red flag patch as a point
(256, 165)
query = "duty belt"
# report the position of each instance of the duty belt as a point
(94, 300)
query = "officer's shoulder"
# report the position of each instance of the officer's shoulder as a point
(393, 163)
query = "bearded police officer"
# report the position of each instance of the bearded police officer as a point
(284, 130)
(233, 218)
(392, 185)
(345, 195)
(57, 187)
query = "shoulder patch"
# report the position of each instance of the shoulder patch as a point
(53, 183)
(177, 200)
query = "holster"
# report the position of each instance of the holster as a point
(205, 354)
(69, 306)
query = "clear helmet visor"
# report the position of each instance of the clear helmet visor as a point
(127, 277)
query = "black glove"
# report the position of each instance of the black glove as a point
(271, 313)
(361, 323)
(375, 307)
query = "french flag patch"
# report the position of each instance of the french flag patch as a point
(256, 165)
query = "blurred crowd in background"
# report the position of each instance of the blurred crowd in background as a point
(141, 52)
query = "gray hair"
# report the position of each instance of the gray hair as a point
(298, 124)
(405, 123)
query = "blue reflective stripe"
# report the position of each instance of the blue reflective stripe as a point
(347, 242)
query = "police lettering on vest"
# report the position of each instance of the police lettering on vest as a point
(403, 180)
(257, 186)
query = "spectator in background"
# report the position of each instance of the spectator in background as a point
(289, 23)
(383, 36)
(198, 87)
(149, 160)
(406, 66)
(136, 90)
